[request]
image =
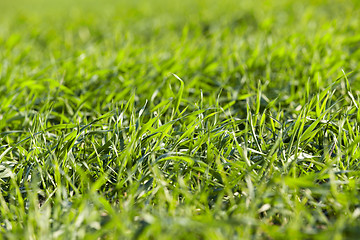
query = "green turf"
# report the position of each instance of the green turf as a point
(186, 119)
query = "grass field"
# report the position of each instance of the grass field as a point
(186, 119)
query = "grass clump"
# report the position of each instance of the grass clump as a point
(186, 120)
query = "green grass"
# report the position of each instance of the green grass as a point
(182, 120)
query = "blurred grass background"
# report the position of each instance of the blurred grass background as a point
(232, 33)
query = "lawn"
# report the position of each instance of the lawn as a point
(191, 119)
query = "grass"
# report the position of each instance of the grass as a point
(182, 120)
